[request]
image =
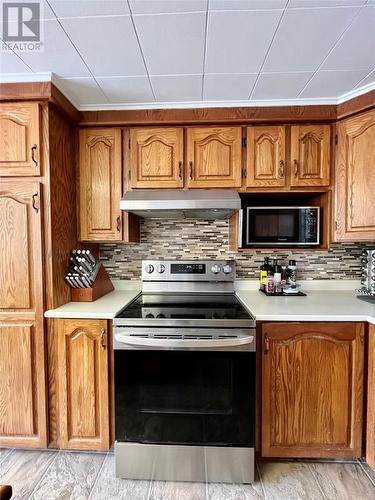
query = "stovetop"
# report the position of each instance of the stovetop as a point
(185, 306)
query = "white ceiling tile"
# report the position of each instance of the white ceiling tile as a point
(305, 37)
(45, 10)
(280, 85)
(127, 90)
(228, 87)
(58, 54)
(82, 91)
(332, 83)
(177, 88)
(11, 63)
(86, 8)
(370, 78)
(164, 6)
(323, 3)
(356, 50)
(237, 42)
(108, 45)
(172, 43)
(246, 4)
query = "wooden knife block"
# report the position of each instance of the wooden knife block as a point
(101, 286)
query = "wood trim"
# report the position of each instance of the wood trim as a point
(356, 105)
(370, 433)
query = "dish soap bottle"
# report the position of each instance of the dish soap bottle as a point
(264, 271)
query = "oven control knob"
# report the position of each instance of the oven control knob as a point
(161, 268)
(216, 268)
(227, 269)
(160, 316)
(149, 268)
(150, 316)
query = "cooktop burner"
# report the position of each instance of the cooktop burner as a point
(185, 306)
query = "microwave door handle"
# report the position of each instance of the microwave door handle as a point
(188, 343)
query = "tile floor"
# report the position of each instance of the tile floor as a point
(50, 475)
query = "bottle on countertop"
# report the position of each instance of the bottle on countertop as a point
(264, 271)
(270, 285)
(292, 272)
(277, 279)
(284, 276)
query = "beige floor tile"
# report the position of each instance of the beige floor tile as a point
(71, 476)
(288, 481)
(23, 469)
(169, 490)
(370, 472)
(343, 481)
(108, 486)
(4, 452)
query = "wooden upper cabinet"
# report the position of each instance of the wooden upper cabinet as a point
(355, 179)
(214, 157)
(266, 156)
(20, 247)
(100, 185)
(156, 158)
(83, 384)
(312, 388)
(310, 155)
(19, 139)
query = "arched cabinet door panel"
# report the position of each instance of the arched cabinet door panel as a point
(156, 158)
(83, 392)
(266, 156)
(214, 157)
(312, 387)
(310, 158)
(19, 139)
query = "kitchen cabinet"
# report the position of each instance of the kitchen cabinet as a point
(19, 139)
(100, 188)
(214, 157)
(22, 365)
(355, 179)
(310, 155)
(266, 156)
(156, 158)
(370, 431)
(312, 394)
(83, 384)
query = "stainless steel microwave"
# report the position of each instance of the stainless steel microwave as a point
(279, 226)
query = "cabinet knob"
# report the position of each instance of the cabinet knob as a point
(295, 167)
(33, 149)
(180, 169)
(35, 202)
(118, 223)
(281, 169)
(190, 169)
(266, 344)
(103, 343)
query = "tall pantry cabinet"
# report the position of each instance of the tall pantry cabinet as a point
(37, 232)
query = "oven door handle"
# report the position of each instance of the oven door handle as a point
(188, 343)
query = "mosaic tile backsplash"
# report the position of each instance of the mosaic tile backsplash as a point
(205, 239)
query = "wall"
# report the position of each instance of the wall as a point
(193, 239)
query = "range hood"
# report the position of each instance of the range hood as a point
(174, 204)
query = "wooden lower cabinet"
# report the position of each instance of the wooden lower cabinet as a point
(370, 431)
(83, 384)
(312, 389)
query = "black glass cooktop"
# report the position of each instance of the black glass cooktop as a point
(185, 306)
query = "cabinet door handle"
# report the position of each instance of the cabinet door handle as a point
(281, 169)
(180, 169)
(266, 344)
(103, 343)
(33, 149)
(295, 167)
(118, 223)
(35, 202)
(190, 169)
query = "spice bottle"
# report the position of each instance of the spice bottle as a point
(277, 279)
(292, 272)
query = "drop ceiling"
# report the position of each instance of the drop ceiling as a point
(121, 54)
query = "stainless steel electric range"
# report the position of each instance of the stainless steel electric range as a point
(185, 377)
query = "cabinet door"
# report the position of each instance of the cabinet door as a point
(100, 185)
(310, 155)
(370, 434)
(83, 384)
(19, 139)
(265, 156)
(355, 179)
(156, 158)
(312, 378)
(22, 365)
(214, 157)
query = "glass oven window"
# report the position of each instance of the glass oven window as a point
(179, 397)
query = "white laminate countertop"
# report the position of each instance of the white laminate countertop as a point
(104, 308)
(318, 305)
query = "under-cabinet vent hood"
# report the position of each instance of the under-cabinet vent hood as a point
(192, 204)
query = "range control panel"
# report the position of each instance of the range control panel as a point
(193, 270)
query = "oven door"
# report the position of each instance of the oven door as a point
(185, 397)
